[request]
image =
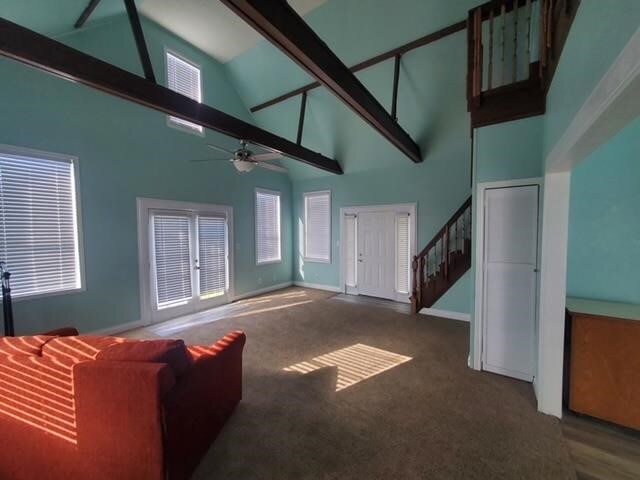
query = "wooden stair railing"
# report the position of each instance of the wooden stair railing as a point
(509, 79)
(443, 261)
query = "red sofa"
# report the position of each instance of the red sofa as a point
(85, 407)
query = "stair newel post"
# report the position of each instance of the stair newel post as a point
(421, 280)
(414, 288)
(446, 252)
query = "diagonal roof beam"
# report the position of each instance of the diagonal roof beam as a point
(86, 13)
(283, 27)
(33, 49)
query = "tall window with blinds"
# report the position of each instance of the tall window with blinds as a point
(184, 77)
(172, 259)
(317, 226)
(402, 253)
(268, 247)
(39, 238)
(212, 256)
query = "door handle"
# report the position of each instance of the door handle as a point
(359, 260)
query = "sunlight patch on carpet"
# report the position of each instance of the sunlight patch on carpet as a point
(355, 364)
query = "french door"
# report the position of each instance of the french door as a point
(188, 260)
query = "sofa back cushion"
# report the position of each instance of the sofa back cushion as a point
(31, 345)
(71, 350)
(172, 352)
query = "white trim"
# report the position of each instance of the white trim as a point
(555, 233)
(612, 105)
(305, 195)
(434, 312)
(478, 330)
(255, 225)
(144, 206)
(411, 208)
(509, 373)
(318, 286)
(75, 162)
(123, 327)
(260, 291)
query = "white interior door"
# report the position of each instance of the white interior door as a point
(376, 254)
(510, 266)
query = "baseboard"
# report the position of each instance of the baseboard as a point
(434, 312)
(318, 286)
(260, 291)
(123, 327)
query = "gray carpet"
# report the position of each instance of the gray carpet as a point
(428, 418)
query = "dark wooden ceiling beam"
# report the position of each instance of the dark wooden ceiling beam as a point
(407, 47)
(86, 13)
(141, 44)
(283, 27)
(33, 49)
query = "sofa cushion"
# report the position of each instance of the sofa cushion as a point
(72, 350)
(31, 345)
(172, 352)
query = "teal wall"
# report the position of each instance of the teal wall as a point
(431, 108)
(127, 151)
(599, 32)
(604, 224)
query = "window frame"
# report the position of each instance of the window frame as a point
(255, 215)
(196, 129)
(74, 161)
(306, 258)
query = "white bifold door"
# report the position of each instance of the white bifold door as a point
(189, 261)
(510, 280)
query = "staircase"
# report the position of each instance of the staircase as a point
(443, 261)
(513, 49)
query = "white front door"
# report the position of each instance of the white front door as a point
(510, 266)
(376, 254)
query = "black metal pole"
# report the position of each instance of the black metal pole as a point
(7, 307)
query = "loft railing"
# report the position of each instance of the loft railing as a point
(443, 261)
(513, 48)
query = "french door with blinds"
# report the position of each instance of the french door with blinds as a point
(188, 253)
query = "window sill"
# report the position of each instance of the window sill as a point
(316, 260)
(185, 128)
(268, 262)
(55, 293)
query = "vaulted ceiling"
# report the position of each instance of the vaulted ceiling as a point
(206, 24)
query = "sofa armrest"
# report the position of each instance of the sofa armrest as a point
(202, 401)
(63, 332)
(120, 418)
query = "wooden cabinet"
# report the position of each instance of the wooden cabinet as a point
(605, 360)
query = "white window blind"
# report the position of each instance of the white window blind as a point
(402, 253)
(172, 257)
(212, 255)
(267, 227)
(184, 77)
(317, 226)
(350, 250)
(39, 230)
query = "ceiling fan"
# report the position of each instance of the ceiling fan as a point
(245, 160)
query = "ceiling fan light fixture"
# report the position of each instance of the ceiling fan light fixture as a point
(243, 166)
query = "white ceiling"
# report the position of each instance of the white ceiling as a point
(210, 25)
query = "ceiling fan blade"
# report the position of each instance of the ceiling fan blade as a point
(263, 157)
(212, 160)
(271, 166)
(221, 149)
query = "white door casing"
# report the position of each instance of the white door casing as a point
(218, 257)
(510, 280)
